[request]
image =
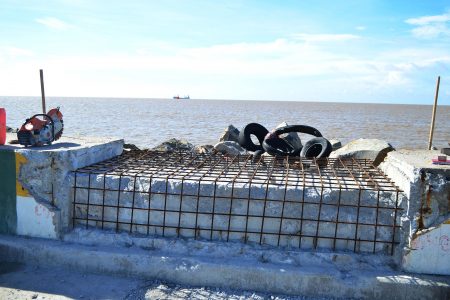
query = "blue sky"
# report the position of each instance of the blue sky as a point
(350, 51)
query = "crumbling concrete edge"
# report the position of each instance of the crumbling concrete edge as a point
(427, 212)
(45, 180)
(225, 273)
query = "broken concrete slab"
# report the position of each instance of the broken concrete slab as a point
(335, 144)
(230, 148)
(230, 133)
(373, 149)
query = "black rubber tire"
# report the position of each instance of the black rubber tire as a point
(298, 128)
(278, 146)
(252, 129)
(317, 147)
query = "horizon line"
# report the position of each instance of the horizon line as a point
(222, 99)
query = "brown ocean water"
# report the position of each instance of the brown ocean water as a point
(148, 122)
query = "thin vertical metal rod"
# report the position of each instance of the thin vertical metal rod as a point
(74, 216)
(41, 72)
(433, 116)
(284, 201)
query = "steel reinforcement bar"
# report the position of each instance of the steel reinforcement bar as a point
(282, 201)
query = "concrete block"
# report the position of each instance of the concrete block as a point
(252, 212)
(43, 178)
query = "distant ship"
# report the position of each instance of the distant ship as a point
(184, 97)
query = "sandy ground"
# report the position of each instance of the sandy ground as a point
(19, 281)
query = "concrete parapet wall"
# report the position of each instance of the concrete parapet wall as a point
(39, 190)
(327, 218)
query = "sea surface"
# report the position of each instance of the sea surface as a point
(148, 122)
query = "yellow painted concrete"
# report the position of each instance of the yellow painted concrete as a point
(20, 190)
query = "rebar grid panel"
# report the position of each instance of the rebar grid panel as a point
(283, 201)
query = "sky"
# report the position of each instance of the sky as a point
(380, 51)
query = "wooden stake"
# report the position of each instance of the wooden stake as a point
(433, 116)
(41, 72)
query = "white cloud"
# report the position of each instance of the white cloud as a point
(53, 23)
(16, 52)
(428, 27)
(425, 20)
(360, 28)
(396, 78)
(431, 31)
(325, 37)
(230, 70)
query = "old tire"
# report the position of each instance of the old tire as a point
(245, 136)
(317, 147)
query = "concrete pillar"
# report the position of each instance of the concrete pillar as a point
(35, 187)
(426, 223)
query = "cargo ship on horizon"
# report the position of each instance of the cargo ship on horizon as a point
(183, 97)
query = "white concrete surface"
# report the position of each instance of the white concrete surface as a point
(324, 275)
(35, 219)
(430, 251)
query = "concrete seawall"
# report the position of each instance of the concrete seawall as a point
(184, 225)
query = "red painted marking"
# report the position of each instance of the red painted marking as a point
(444, 242)
(36, 211)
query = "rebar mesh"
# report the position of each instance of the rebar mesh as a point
(306, 203)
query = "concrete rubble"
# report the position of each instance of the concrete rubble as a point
(230, 133)
(173, 145)
(203, 149)
(335, 144)
(373, 149)
(230, 148)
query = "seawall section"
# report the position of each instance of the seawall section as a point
(36, 192)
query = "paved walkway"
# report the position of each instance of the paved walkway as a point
(18, 281)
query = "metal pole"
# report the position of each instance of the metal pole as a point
(41, 72)
(430, 141)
